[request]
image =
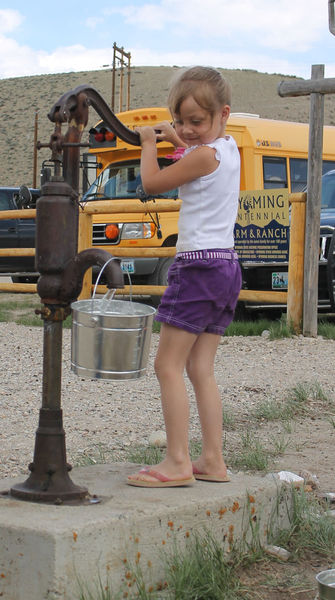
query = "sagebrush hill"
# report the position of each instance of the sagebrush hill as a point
(22, 97)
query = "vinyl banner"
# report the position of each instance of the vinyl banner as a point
(262, 226)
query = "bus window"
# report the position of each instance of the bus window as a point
(120, 181)
(328, 191)
(274, 172)
(127, 179)
(298, 172)
(327, 165)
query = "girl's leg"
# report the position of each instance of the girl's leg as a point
(173, 349)
(200, 369)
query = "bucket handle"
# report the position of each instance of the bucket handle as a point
(111, 290)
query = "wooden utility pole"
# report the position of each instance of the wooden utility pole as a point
(316, 87)
(35, 150)
(120, 55)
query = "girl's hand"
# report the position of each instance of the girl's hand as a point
(166, 132)
(147, 134)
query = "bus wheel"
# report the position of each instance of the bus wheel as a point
(159, 277)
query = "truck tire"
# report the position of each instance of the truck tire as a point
(331, 273)
(240, 312)
(159, 277)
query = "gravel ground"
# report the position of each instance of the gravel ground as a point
(115, 415)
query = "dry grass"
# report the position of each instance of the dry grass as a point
(21, 97)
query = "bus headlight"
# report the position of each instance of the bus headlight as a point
(137, 231)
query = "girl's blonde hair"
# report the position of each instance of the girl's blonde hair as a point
(205, 84)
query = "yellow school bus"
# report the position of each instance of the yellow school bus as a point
(273, 155)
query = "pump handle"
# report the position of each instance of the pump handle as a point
(64, 108)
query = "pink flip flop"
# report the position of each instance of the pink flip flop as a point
(161, 480)
(205, 477)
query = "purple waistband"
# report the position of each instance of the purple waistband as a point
(203, 254)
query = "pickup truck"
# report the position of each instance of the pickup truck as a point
(18, 233)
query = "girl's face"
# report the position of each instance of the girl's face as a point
(195, 125)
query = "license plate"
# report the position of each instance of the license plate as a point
(280, 281)
(127, 266)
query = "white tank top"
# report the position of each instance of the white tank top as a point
(209, 204)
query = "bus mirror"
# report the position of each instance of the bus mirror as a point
(140, 193)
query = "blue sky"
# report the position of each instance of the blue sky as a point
(270, 36)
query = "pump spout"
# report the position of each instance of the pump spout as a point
(72, 278)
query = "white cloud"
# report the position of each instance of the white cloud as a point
(330, 70)
(93, 22)
(268, 35)
(16, 60)
(74, 58)
(19, 61)
(233, 60)
(9, 20)
(283, 24)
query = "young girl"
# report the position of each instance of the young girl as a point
(204, 280)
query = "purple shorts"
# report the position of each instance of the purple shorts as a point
(202, 294)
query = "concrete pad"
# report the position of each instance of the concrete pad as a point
(47, 551)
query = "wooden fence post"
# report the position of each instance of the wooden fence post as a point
(85, 241)
(312, 237)
(316, 87)
(295, 291)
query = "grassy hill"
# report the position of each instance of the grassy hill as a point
(21, 97)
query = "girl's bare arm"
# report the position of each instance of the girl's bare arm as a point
(197, 163)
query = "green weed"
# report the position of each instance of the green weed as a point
(280, 444)
(97, 455)
(21, 310)
(297, 402)
(228, 418)
(331, 420)
(201, 569)
(98, 590)
(252, 456)
(248, 328)
(300, 397)
(311, 528)
(151, 455)
(281, 329)
(327, 330)
(156, 327)
(272, 410)
(287, 426)
(145, 455)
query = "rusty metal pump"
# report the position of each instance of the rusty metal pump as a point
(62, 270)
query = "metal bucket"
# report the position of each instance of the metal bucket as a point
(326, 584)
(110, 339)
